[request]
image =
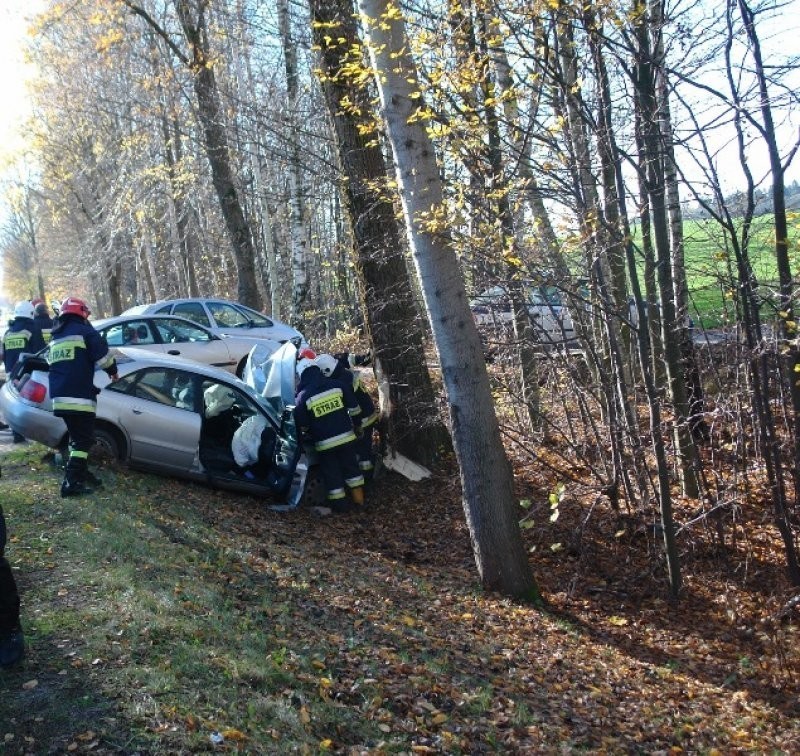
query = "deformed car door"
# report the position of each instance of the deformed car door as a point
(159, 418)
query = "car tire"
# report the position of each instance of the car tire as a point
(107, 444)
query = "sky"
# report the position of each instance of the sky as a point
(14, 106)
(13, 100)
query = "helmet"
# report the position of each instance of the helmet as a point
(303, 365)
(37, 301)
(40, 308)
(327, 364)
(306, 353)
(75, 306)
(23, 309)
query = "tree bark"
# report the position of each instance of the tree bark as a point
(407, 400)
(486, 479)
(296, 190)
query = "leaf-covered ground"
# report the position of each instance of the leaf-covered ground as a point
(165, 617)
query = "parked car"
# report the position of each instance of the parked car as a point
(180, 337)
(221, 316)
(551, 318)
(180, 418)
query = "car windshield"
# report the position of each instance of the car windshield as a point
(180, 331)
(256, 318)
(228, 316)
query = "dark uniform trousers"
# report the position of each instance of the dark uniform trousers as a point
(80, 426)
(9, 597)
(339, 467)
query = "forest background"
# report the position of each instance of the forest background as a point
(362, 170)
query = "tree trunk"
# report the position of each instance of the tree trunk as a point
(486, 479)
(216, 144)
(407, 400)
(296, 188)
(646, 101)
(787, 326)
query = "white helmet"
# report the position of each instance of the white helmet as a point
(24, 309)
(302, 365)
(327, 364)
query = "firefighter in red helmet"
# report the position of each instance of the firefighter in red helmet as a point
(76, 349)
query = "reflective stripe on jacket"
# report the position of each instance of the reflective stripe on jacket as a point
(23, 335)
(325, 407)
(75, 352)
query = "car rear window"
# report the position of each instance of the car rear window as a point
(193, 311)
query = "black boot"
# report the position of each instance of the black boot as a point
(74, 489)
(12, 647)
(93, 480)
(75, 479)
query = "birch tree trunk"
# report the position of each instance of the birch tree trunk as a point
(486, 478)
(409, 414)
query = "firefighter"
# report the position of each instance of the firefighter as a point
(12, 642)
(338, 367)
(43, 319)
(325, 407)
(76, 349)
(23, 335)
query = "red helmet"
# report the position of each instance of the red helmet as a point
(306, 353)
(37, 301)
(75, 306)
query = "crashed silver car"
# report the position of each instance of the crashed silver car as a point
(176, 417)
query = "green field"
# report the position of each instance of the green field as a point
(711, 267)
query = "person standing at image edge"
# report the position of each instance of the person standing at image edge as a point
(23, 335)
(12, 642)
(76, 350)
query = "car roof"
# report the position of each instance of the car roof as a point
(137, 357)
(180, 300)
(128, 316)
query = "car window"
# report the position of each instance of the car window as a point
(227, 316)
(179, 332)
(163, 310)
(168, 386)
(193, 311)
(112, 335)
(258, 320)
(130, 333)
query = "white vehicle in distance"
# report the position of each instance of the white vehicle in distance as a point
(551, 319)
(178, 337)
(221, 316)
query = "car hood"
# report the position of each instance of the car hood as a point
(278, 332)
(271, 374)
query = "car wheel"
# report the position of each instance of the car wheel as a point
(107, 444)
(314, 494)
